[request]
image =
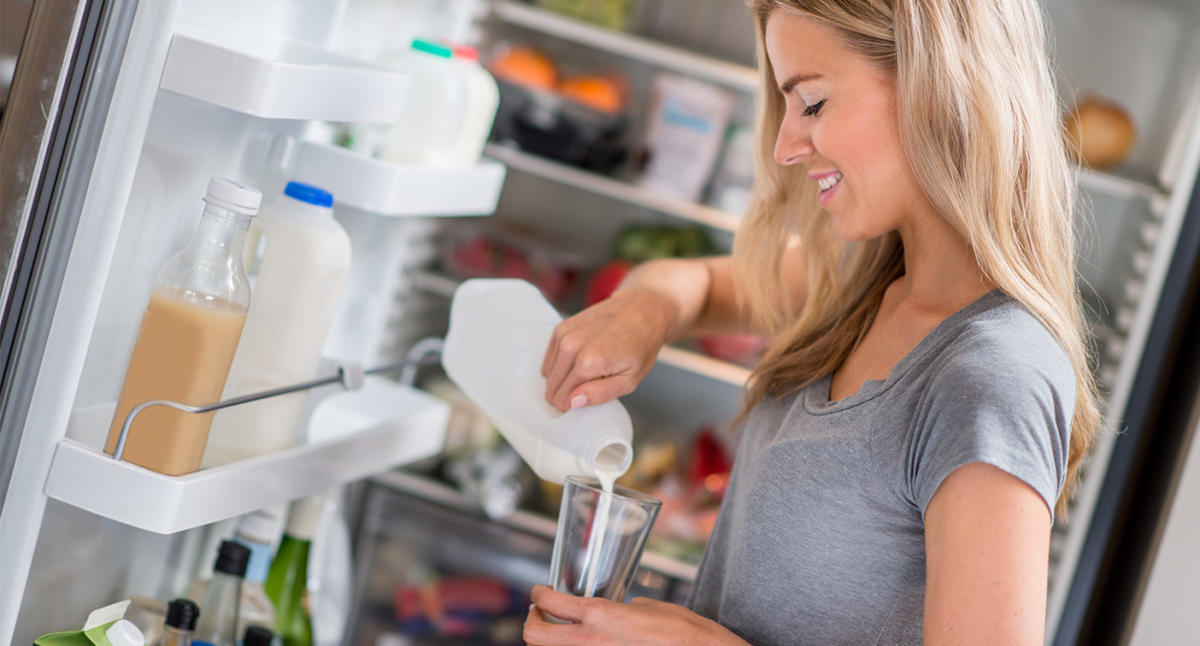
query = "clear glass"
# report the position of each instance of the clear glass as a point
(596, 554)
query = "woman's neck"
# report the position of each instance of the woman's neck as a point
(941, 273)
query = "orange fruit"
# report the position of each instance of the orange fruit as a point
(596, 92)
(525, 66)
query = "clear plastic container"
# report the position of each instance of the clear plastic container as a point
(499, 332)
(298, 285)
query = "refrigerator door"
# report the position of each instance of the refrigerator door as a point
(1134, 554)
(72, 129)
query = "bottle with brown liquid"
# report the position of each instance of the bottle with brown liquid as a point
(188, 337)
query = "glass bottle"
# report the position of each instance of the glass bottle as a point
(219, 609)
(287, 581)
(189, 333)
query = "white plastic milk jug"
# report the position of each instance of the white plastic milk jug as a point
(499, 332)
(298, 282)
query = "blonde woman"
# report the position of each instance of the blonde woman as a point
(925, 402)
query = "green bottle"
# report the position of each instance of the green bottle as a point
(286, 584)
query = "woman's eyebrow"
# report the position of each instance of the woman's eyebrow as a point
(795, 80)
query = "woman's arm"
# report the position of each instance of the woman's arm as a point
(987, 547)
(605, 351)
(702, 293)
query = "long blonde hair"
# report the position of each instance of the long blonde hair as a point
(980, 122)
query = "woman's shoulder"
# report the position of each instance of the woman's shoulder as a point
(1003, 345)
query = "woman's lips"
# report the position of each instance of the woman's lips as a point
(829, 184)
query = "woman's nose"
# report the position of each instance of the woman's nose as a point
(794, 143)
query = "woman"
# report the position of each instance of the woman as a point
(926, 399)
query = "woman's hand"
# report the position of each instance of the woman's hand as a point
(602, 622)
(605, 351)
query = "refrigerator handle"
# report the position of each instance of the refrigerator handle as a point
(349, 374)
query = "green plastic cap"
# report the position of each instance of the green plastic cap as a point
(430, 47)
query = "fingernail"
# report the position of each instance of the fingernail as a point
(578, 400)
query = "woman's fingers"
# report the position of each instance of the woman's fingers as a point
(567, 349)
(599, 391)
(539, 632)
(565, 606)
(552, 350)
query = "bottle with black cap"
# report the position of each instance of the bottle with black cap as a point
(180, 623)
(257, 636)
(219, 608)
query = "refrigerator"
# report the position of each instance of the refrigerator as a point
(120, 111)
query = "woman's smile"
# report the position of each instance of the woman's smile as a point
(829, 183)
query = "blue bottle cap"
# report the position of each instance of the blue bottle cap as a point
(308, 193)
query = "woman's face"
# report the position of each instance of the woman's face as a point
(841, 123)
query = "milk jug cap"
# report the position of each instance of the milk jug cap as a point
(308, 194)
(228, 194)
(466, 52)
(124, 633)
(430, 47)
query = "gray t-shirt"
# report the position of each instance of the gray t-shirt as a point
(821, 536)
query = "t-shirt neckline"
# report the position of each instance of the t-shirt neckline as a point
(816, 396)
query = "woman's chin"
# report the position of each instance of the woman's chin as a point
(851, 233)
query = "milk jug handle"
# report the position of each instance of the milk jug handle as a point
(349, 375)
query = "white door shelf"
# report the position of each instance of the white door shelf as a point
(612, 188)
(352, 435)
(733, 75)
(389, 189)
(288, 80)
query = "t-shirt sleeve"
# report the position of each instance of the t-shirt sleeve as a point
(1014, 415)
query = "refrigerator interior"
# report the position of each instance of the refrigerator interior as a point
(1142, 54)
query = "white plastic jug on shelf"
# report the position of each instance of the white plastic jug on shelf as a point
(483, 98)
(297, 289)
(435, 110)
(499, 332)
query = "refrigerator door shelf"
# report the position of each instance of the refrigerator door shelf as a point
(389, 189)
(286, 80)
(352, 435)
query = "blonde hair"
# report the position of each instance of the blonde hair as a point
(980, 122)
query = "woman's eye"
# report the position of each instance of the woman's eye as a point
(813, 109)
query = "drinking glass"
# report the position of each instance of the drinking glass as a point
(596, 553)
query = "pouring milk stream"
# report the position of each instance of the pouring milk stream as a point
(499, 332)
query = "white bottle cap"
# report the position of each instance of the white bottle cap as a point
(262, 526)
(303, 516)
(124, 633)
(228, 194)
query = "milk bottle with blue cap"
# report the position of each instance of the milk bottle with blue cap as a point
(298, 257)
